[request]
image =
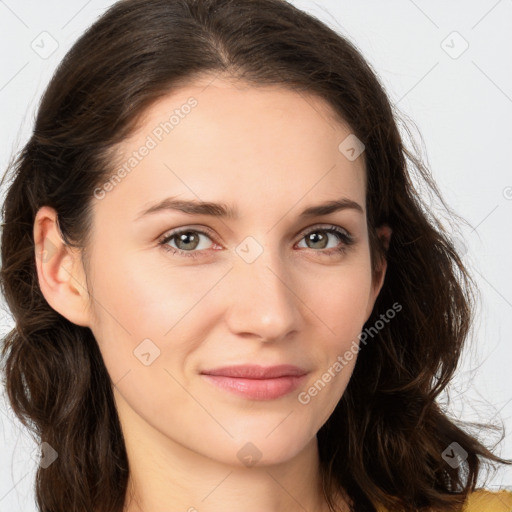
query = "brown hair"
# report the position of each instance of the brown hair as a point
(384, 441)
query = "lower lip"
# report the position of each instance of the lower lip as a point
(257, 389)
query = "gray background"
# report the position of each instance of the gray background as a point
(459, 101)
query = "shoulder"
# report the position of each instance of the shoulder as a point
(483, 500)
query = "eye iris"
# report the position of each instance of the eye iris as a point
(314, 237)
(183, 237)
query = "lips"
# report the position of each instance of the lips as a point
(257, 372)
(257, 382)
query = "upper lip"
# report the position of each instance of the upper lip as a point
(257, 372)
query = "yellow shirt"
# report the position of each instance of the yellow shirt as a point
(482, 500)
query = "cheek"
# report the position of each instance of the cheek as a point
(135, 302)
(147, 325)
(337, 304)
(339, 299)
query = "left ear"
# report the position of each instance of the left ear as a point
(384, 234)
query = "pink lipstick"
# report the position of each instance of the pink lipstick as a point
(257, 382)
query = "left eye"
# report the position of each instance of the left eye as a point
(323, 239)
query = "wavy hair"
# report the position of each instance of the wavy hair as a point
(384, 442)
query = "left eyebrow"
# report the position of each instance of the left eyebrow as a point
(331, 207)
(193, 207)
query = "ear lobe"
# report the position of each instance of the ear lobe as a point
(59, 269)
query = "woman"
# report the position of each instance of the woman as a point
(227, 292)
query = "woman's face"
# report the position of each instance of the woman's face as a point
(266, 286)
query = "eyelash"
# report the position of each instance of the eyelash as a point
(343, 236)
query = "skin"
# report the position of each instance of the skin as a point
(270, 152)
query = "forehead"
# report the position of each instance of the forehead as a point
(220, 140)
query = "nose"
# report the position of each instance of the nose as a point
(262, 301)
